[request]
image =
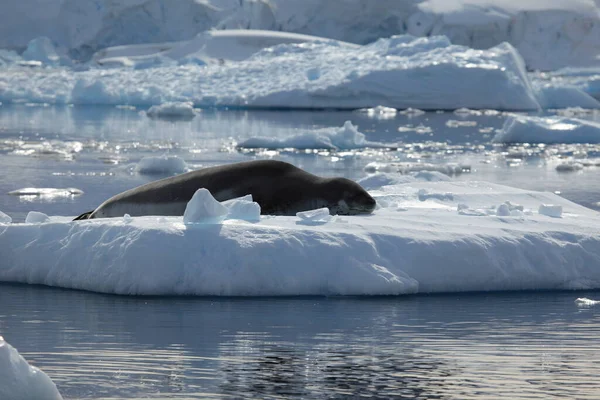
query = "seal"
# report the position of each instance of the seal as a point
(278, 187)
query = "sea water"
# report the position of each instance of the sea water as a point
(536, 345)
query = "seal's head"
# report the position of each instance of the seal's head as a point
(347, 197)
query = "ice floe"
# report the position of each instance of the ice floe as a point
(424, 237)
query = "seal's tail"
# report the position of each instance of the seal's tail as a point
(84, 216)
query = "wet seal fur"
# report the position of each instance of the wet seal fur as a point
(280, 189)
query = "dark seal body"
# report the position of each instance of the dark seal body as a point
(278, 187)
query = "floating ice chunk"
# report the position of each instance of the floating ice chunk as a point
(464, 112)
(161, 165)
(550, 210)
(452, 123)
(46, 192)
(345, 138)
(127, 218)
(203, 208)
(21, 381)
(522, 129)
(172, 110)
(585, 302)
(412, 112)
(569, 167)
(380, 112)
(35, 217)
(243, 208)
(4, 218)
(320, 215)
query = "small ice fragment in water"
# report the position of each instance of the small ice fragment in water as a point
(585, 302)
(452, 123)
(550, 210)
(35, 217)
(127, 218)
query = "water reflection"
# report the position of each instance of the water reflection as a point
(533, 345)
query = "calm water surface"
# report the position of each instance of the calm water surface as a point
(519, 345)
(515, 345)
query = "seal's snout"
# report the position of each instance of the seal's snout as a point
(362, 203)
(370, 204)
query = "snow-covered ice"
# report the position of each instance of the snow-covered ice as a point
(399, 72)
(549, 34)
(405, 246)
(523, 129)
(21, 381)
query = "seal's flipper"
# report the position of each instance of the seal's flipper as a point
(84, 216)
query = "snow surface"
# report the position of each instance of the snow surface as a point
(399, 72)
(296, 72)
(21, 381)
(549, 34)
(418, 240)
(523, 129)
